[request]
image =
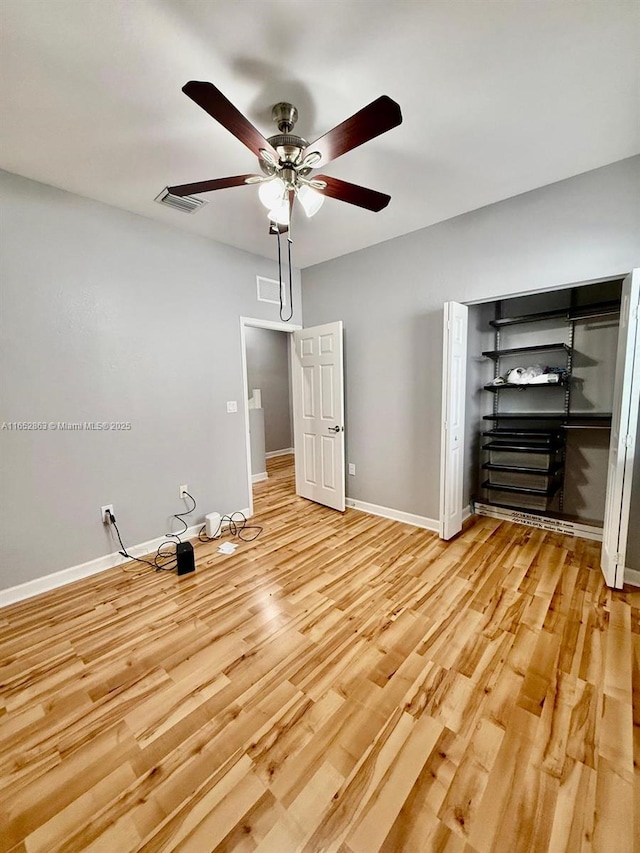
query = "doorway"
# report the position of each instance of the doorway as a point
(316, 362)
(266, 351)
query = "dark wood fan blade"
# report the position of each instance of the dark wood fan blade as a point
(378, 117)
(221, 109)
(209, 186)
(353, 194)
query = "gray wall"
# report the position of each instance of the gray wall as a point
(107, 316)
(268, 369)
(390, 298)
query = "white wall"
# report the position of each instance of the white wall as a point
(390, 298)
(107, 316)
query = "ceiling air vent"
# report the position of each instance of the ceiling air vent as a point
(185, 203)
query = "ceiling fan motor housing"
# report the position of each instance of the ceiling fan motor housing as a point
(288, 146)
(285, 116)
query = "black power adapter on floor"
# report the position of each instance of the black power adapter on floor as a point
(185, 559)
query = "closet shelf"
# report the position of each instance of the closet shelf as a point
(582, 312)
(522, 448)
(541, 434)
(495, 354)
(571, 419)
(551, 471)
(522, 490)
(520, 385)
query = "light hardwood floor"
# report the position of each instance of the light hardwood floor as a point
(344, 683)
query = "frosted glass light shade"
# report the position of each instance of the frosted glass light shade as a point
(280, 213)
(271, 192)
(311, 200)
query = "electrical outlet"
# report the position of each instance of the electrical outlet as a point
(183, 491)
(352, 469)
(103, 513)
(232, 406)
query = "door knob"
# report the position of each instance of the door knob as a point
(335, 429)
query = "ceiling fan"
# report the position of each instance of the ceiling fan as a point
(287, 160)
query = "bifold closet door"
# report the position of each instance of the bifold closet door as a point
(454, 381)
(624, 427)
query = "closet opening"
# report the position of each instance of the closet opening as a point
(540, 415)
(540, 384)
(268, 406)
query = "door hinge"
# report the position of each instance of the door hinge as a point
(628, 440)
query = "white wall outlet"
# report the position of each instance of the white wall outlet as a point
(352, 469)
(232, 406)
(183, 491)
(103, 513)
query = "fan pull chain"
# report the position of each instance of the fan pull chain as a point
(280, 282)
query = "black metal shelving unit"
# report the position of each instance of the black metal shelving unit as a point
(525, 454)
(525, 457)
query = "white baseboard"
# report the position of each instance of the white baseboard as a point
(632, 577)
(273, 453)
(394, 514)
(85, 570)
(466, 513)
(259, 478)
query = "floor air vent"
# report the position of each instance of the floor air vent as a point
(185, 203)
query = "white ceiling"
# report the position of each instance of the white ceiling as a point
(498, 98)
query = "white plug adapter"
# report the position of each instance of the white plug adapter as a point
(213, 528)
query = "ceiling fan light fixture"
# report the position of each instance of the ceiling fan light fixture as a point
(310, 200)
(272, 192)
(268, 157)
(280, 213)
(311, 159)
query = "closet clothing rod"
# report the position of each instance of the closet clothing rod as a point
(595, 316)
(583, 426)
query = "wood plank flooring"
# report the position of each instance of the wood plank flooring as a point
(344, 683)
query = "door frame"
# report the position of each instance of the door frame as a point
(255, 323)
(447, 458)
(622, 444)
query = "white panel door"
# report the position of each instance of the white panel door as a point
(624, 427)
(454, 383)
(318, 414)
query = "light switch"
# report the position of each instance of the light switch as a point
(232, 406)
